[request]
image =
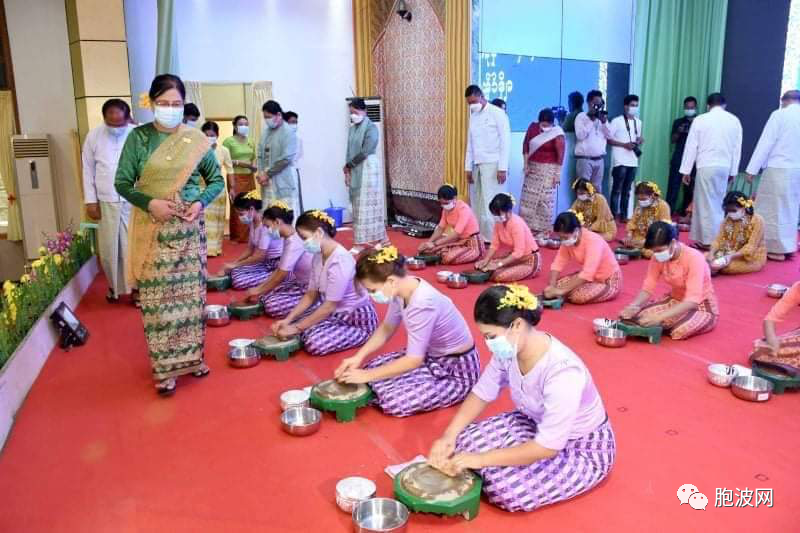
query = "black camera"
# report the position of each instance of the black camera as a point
(637, 150)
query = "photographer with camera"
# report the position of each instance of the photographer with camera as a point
(591, 132)
(625, 138)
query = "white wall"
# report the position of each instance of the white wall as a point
(304, 47)
(37, 32)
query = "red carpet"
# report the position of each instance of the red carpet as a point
(94, 449)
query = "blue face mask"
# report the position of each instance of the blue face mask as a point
(379, 298)
(168, 116)
(274, 233)
(312, 246)
(501, 348)
(243, 130)
(117, 131)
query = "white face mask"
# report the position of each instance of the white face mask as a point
(475, 108)
(191, 123)
(243, 130)
(449, 205)
(292, 127)
(246, 219)
(500, 218)
(633, 111)
(646, 202)
(356, 118)
(545, 128)
(272, 123)
(572, 241)
(213, 141)
(662, 256)
(584, 197)
(690, 112)
(169, 117)
(117, 131)
(736, 215)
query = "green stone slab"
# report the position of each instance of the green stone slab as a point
(345, 409)
(245, 312)
(551, 303)
(477, 276)
(652, 333)
(466, 505)
(218, 283)
(780, 381)
(633, 253)
(430, 259)
(270, 346)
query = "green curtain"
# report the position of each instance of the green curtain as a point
(677, 53)
(167, 43)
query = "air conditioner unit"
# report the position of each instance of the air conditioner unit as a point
(375, 114)
(35, 190)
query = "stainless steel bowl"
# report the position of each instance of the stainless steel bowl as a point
(301, 421)
(351, 491)
(622, 259)
(380, 515)
(294, 398)
(443, 275)
(751, 388)
(242, 353)
(776, 290)
(684, 227)
(721, 375)
(415, 264)
(457, 281)
(721, 262)
(217, 315)
(602, 323)
(611, 337)
(553, 244)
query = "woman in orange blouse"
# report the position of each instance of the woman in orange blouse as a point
(600, 278)
(691, 307)
(517, 253)
(651, 208)
(780, 351)
(457, 237)
(594, 208)
(740, 239)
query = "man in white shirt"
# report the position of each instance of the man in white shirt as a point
(291, 120)
(625, 137)
(778, 199)
(714, 144)
(591, 133)
(486, 161)
(101, 150)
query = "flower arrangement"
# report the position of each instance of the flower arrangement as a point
(519, 297)
(385, 255)
(22, 303)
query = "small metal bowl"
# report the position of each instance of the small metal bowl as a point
(380, 515)
(721, 375)
(217, 315)
(603, 323)
(294, 398)
(242, 353)
(721, 262)
(351, 491)
(776, 290)
(553, 244)
(751, 388)
(622, 259)
(611, 337)
(443, 276)
(301, 421)
(684, 227)
(457, 281)
(415, 264)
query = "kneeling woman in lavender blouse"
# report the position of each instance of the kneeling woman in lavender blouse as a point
(439, 366)
(558, 442)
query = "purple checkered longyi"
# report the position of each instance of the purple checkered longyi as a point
(249, 276)
(580, 466)
(283, 298)
(439, 382)
(341, 330)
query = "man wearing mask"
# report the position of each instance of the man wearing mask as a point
(591, 133)
(101, 151)
(486, 161)
(291, 119)
(778, 199)
(714, 144)
(276, 151)
(680, 130)
(191, 115)
(625, 137)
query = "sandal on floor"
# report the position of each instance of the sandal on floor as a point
(166, 387)
(776, 257)
(202, 373)
(110, 298)
(135, 299)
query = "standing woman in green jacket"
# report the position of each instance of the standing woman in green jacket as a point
(159, 173)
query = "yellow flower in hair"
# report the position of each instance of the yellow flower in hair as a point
(654, 187)
(322, 215)
(386, 255)
(25, 279)
(255, 194)
(589, 187)
(747, 203)
(578, 215)
(145, 102)
(280, 205)
(519, 297)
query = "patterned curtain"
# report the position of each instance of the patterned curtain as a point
(7, 129)
(458, 15)
(194, 94)
(258, 92)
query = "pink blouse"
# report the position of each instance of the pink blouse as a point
(260, 238)
(514, 235)
(558, 394)
(334, 279)
(689, 276)
(461, 219)
(434, 326)
(593, 254)
(789, 301)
